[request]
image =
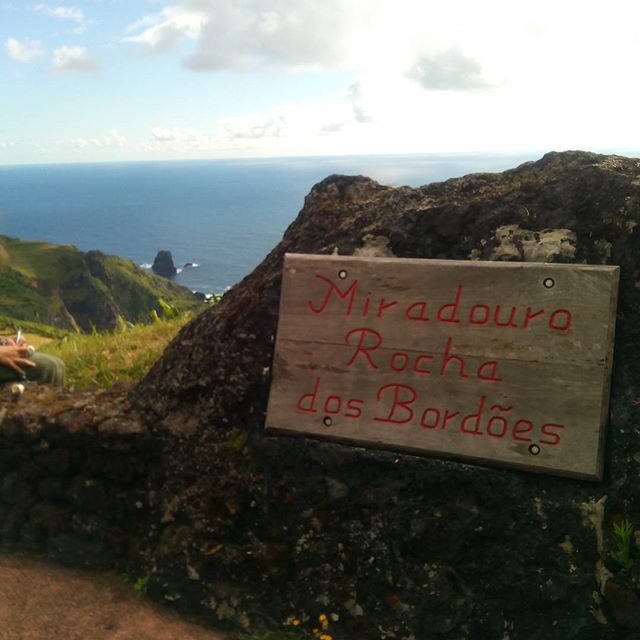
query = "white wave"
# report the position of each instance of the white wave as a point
(145, 265)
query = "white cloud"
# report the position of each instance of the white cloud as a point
(247, 34)
(180, 135)
(357, 97)
(73, 59)
(25, 51)
(112, 140)
(456, 46)
(293, 123)
(255, 126)
(300, 120)
(420, 76)
(116, 139)
(73, 14)
(448, 70)
(181, 140)
(162, 31)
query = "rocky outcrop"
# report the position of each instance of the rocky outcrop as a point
(163, 264)
(248, 529)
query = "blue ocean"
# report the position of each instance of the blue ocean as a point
(223, 216)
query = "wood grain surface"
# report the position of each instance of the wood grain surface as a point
(494, 363)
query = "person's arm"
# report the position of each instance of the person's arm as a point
(15, 357)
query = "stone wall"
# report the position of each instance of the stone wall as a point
(74, 472)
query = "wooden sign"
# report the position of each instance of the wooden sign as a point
(495, 363)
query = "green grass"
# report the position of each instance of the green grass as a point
(51, 292)
(46, 262)
(39, 331)
(20, 299)
(622, 533)
(100, 360)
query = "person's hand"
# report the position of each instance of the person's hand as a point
(15, 357)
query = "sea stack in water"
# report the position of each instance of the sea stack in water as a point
(163, 264)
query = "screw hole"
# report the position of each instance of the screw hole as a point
(342, 274)
(548, 282)
(534, 449)
(327, 421)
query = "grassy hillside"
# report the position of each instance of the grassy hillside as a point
(22, 299)
(47, 263)
(59, 285)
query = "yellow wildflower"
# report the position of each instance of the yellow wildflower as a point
(295, 622)
(324, 621)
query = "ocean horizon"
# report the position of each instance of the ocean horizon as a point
(223, 216)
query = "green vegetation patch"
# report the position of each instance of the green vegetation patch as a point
(623, 551)
(18, 296)
(10, 325)
(47, 263)
(100, 360)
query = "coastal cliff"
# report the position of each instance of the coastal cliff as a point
(60, 286)
(250, 530)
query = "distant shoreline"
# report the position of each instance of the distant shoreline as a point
(225, 215)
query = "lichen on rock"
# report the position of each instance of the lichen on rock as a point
(526, 245)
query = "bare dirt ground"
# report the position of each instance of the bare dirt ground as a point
(42, 601)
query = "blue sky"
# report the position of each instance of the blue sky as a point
(110, 80)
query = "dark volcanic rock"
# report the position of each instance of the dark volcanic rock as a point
(420, 547)
(163, 264)
(250, 529)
